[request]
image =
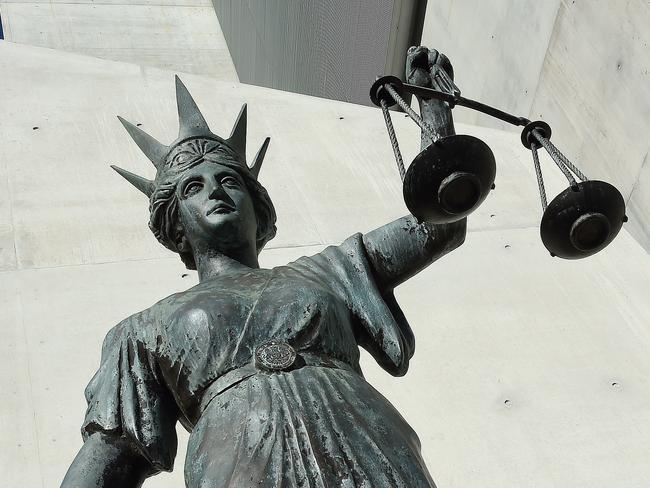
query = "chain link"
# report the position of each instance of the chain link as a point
(393, 138)
(553, 152)
(426, 128)
(538, 172)
(566, 162)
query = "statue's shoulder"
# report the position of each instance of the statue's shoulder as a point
(168, 306)
(145, 324)
(163, 311)
(150, 317)
(135, 323)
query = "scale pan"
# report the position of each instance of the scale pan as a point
(449, 179)
(581, 222)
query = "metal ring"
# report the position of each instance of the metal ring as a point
(539, 125)
(378, 92)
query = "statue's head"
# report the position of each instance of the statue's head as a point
(204, 198)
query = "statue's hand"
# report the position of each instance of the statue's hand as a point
(421, 64)
(430, 69)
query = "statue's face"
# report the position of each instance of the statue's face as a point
(215, 209)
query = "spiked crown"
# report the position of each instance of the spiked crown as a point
(192, 125)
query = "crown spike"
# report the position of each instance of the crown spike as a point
(153, 149)
(190, 120)
(144, 185)
(237, 139)
(259, 158)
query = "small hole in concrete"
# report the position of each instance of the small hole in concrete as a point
(184, 275)
(619, 66)
(507, 403)
(138, 125)
(35, 127)
(507, 246)
(615, 385)
(492, 215)
(341, 118)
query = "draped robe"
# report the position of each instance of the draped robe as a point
(190, 358)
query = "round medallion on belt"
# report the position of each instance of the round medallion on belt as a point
(275, 356)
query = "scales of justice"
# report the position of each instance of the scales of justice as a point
(261, 366)
(451, 177)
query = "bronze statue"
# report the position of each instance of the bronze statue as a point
(260, 365)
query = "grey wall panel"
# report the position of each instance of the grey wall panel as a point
(332, 49)
(179, 35)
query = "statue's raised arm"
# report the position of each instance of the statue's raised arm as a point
(404, 247)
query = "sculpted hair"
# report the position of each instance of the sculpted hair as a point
(164, 221)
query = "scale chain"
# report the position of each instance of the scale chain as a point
(393, 138)
(567, 163)
(553, 152)
(538, 172)
(430, 131)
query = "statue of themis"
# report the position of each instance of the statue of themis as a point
(260, 365)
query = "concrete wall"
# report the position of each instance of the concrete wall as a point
(582, 66)
(497, 49)
(594, 90)
(181, 35)
(529, 371)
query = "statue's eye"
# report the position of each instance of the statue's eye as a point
(229, 181)
(191, 188)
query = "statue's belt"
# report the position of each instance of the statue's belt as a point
(271, 357)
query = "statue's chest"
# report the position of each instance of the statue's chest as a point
(248, 310)
(218, 326)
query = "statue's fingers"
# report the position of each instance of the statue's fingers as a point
(417, 66)
(433, 57)
(420, 58)
(416, 52)
(445, 64)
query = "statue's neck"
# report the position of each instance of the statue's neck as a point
(211, 265)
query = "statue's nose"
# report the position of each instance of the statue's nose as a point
(218, 193)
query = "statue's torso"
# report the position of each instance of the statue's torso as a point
(317, 424)
(216, 326)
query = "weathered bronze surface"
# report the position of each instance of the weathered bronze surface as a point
(260, 365)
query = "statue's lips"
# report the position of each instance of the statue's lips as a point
(222, 208)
